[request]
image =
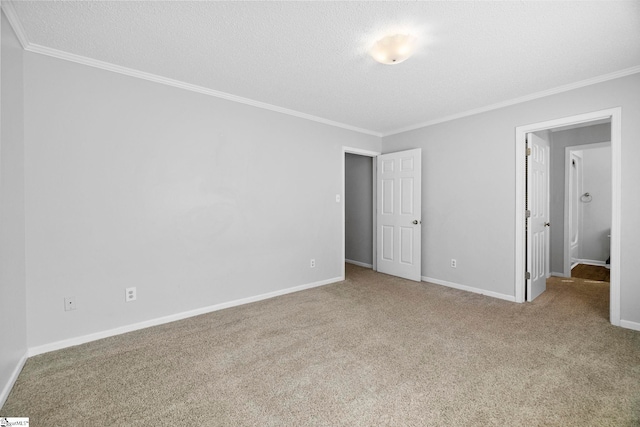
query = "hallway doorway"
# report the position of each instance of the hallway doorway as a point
(522, 198)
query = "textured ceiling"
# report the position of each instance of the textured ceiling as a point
(311, 57)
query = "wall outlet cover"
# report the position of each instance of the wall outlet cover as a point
(130, 294)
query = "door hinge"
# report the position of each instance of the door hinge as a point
(527, 214)
(528, 151)
(527, 275)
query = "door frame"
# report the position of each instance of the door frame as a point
(615, 114)
(373, 155)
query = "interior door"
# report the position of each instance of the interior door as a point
(399, 214)
(538, 221)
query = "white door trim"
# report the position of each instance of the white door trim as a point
(373, 155)
(615, 114)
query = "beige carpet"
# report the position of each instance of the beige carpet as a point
(373, 350)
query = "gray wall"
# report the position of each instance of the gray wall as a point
(194, 200)
(559, 142)
(358, 200)
(469, 187)
(13, 319)
(597, 213)
(199, 201)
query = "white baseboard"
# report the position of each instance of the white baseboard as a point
(558, 274)
(12, 380)
(591, 262)
(511, 298)
(630, 325)
(361, 264)
(58, 345)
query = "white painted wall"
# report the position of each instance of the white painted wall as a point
(596, 225)
(13, 319)
(358, 208)
(559, 141)
(194, 200)
(469, 189)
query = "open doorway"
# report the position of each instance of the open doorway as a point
(358, 202)
(587, 204)
(359, 190)
(525, 258)
(396, 189)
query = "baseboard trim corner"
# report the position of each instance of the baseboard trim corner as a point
(630, 325)
(492, 294)
(59, 345)
(558, 274)
(358, 263)
(12, 379)
(591, 262)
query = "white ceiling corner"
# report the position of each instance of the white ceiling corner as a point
(309, 59)
(12, 17)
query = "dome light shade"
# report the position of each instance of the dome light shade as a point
(393, 49)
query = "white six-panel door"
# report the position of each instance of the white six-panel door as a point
(538, 222)
(399, 212)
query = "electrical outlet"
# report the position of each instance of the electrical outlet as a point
(130, 294)
(69, 303)
(454, 263)
(312, 264)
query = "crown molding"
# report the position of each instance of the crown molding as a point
(12, 17)
(43, 50)
(9, 10)
(537, 95)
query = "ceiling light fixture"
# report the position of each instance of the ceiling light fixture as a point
(393, 49)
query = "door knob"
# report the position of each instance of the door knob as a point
(415, 221)
(547, 224)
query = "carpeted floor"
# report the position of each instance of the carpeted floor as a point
(372, 350)
(591, 272)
